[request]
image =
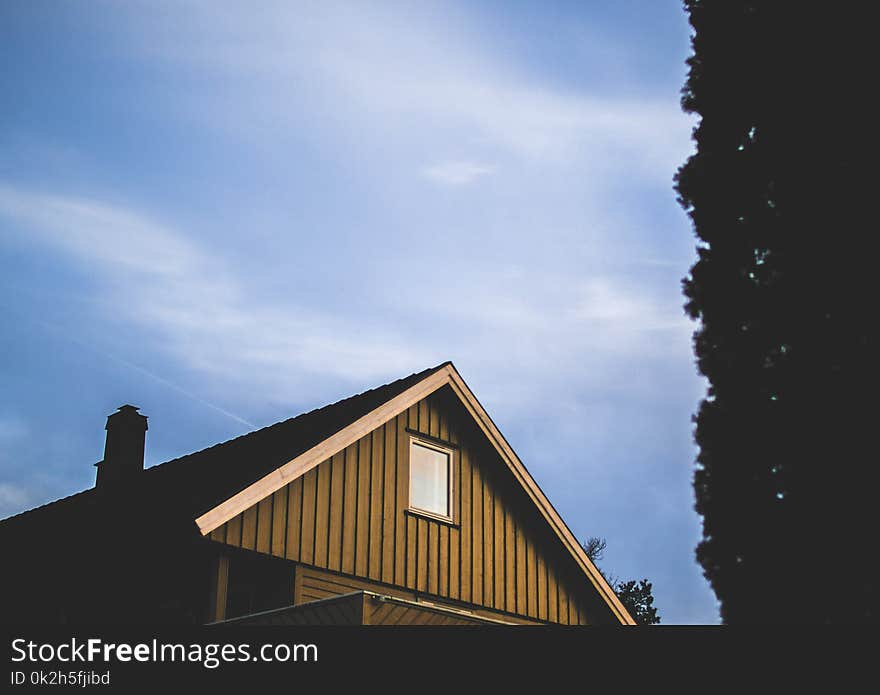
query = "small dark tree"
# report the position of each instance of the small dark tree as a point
(635, 596)
(638, 600)
(788, 335)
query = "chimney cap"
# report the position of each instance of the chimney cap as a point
(127, 414)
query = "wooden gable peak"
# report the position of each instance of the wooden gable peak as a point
(443, 376)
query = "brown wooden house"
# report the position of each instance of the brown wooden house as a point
(401, 505)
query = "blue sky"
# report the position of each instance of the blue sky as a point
(229, 213)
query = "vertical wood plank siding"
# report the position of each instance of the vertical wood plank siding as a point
(348, 515)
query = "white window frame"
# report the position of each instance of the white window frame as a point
(450, 478)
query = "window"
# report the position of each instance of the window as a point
(430, 479)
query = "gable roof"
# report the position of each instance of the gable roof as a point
(415, 388)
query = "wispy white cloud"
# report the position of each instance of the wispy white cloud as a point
(416, 86)
(194, 305)
(418, 79)
(456, 173)
(569, 339)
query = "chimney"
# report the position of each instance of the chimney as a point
(124, 449)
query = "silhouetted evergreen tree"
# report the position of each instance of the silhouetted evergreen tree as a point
(784, 292)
